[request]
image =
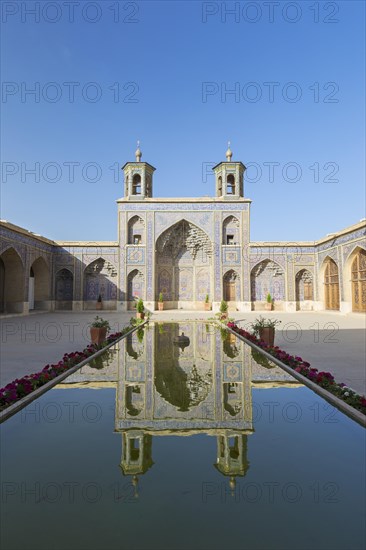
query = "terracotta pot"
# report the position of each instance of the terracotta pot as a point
(98, 335)
(99, 305)
(268, 306)
(267, 335)
(140, 315)
(207, 306)
(160, 306)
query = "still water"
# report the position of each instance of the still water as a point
(179, 438)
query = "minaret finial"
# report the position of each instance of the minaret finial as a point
(138, 153)
(229, 153)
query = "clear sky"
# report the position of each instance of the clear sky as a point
(108, 73)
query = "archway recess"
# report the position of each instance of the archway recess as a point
(231, 287)
(304, 289)
(100, 279)
(64, 289)
(39, 285)
(183, 266)
(12, 283)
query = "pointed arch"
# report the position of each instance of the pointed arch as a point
(13, 249)
(136, 231)
(267, 276)
(355, 279)
(136, 184)
(304, 288)
(231, 231)
(12, 281)
(230, 185)
(187, 224)
(100, 279)
(330, 284)
(183, 264)
(135, 286)
(351, 254)
(219, 186)
(39, 285)
(231, 286)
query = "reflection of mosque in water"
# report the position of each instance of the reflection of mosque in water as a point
(184, 379)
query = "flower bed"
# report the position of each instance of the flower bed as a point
(322, 379)
(21, 387)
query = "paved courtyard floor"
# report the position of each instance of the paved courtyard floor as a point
(329, 341)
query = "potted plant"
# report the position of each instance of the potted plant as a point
(268, 306)
(99, 330)
(140, 309)
(265, 329)
(223, 309)
(161, 302)
(99, 302)
(207, 303)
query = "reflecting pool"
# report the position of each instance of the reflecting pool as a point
(182, 437)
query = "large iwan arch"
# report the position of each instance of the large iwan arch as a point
(183, 266)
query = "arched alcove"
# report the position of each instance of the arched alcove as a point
(64, 289)
(304, 289)
(39, 285)
(231, 231)
(183, 266)
(267, 277)
(354, 278)
(135, 287)
(136, 231)
(231, 286)
(100, 279)
(12, 283)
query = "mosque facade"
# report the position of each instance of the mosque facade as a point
(190, 250)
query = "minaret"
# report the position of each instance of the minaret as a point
(138, 178)
(229, 177)
(232, 460)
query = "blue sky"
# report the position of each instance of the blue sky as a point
(161, 72)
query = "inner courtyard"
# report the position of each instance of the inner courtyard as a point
(189, 250)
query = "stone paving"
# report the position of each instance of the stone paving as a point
(329, 341)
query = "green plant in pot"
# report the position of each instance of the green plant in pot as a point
(264, 329)
(140, 309)
(223, 309)
(207, 303)
(161, 302)
(268, 306)
(99, 329)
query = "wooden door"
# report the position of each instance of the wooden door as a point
(230, 291)
(331, 283)
(359, 282)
